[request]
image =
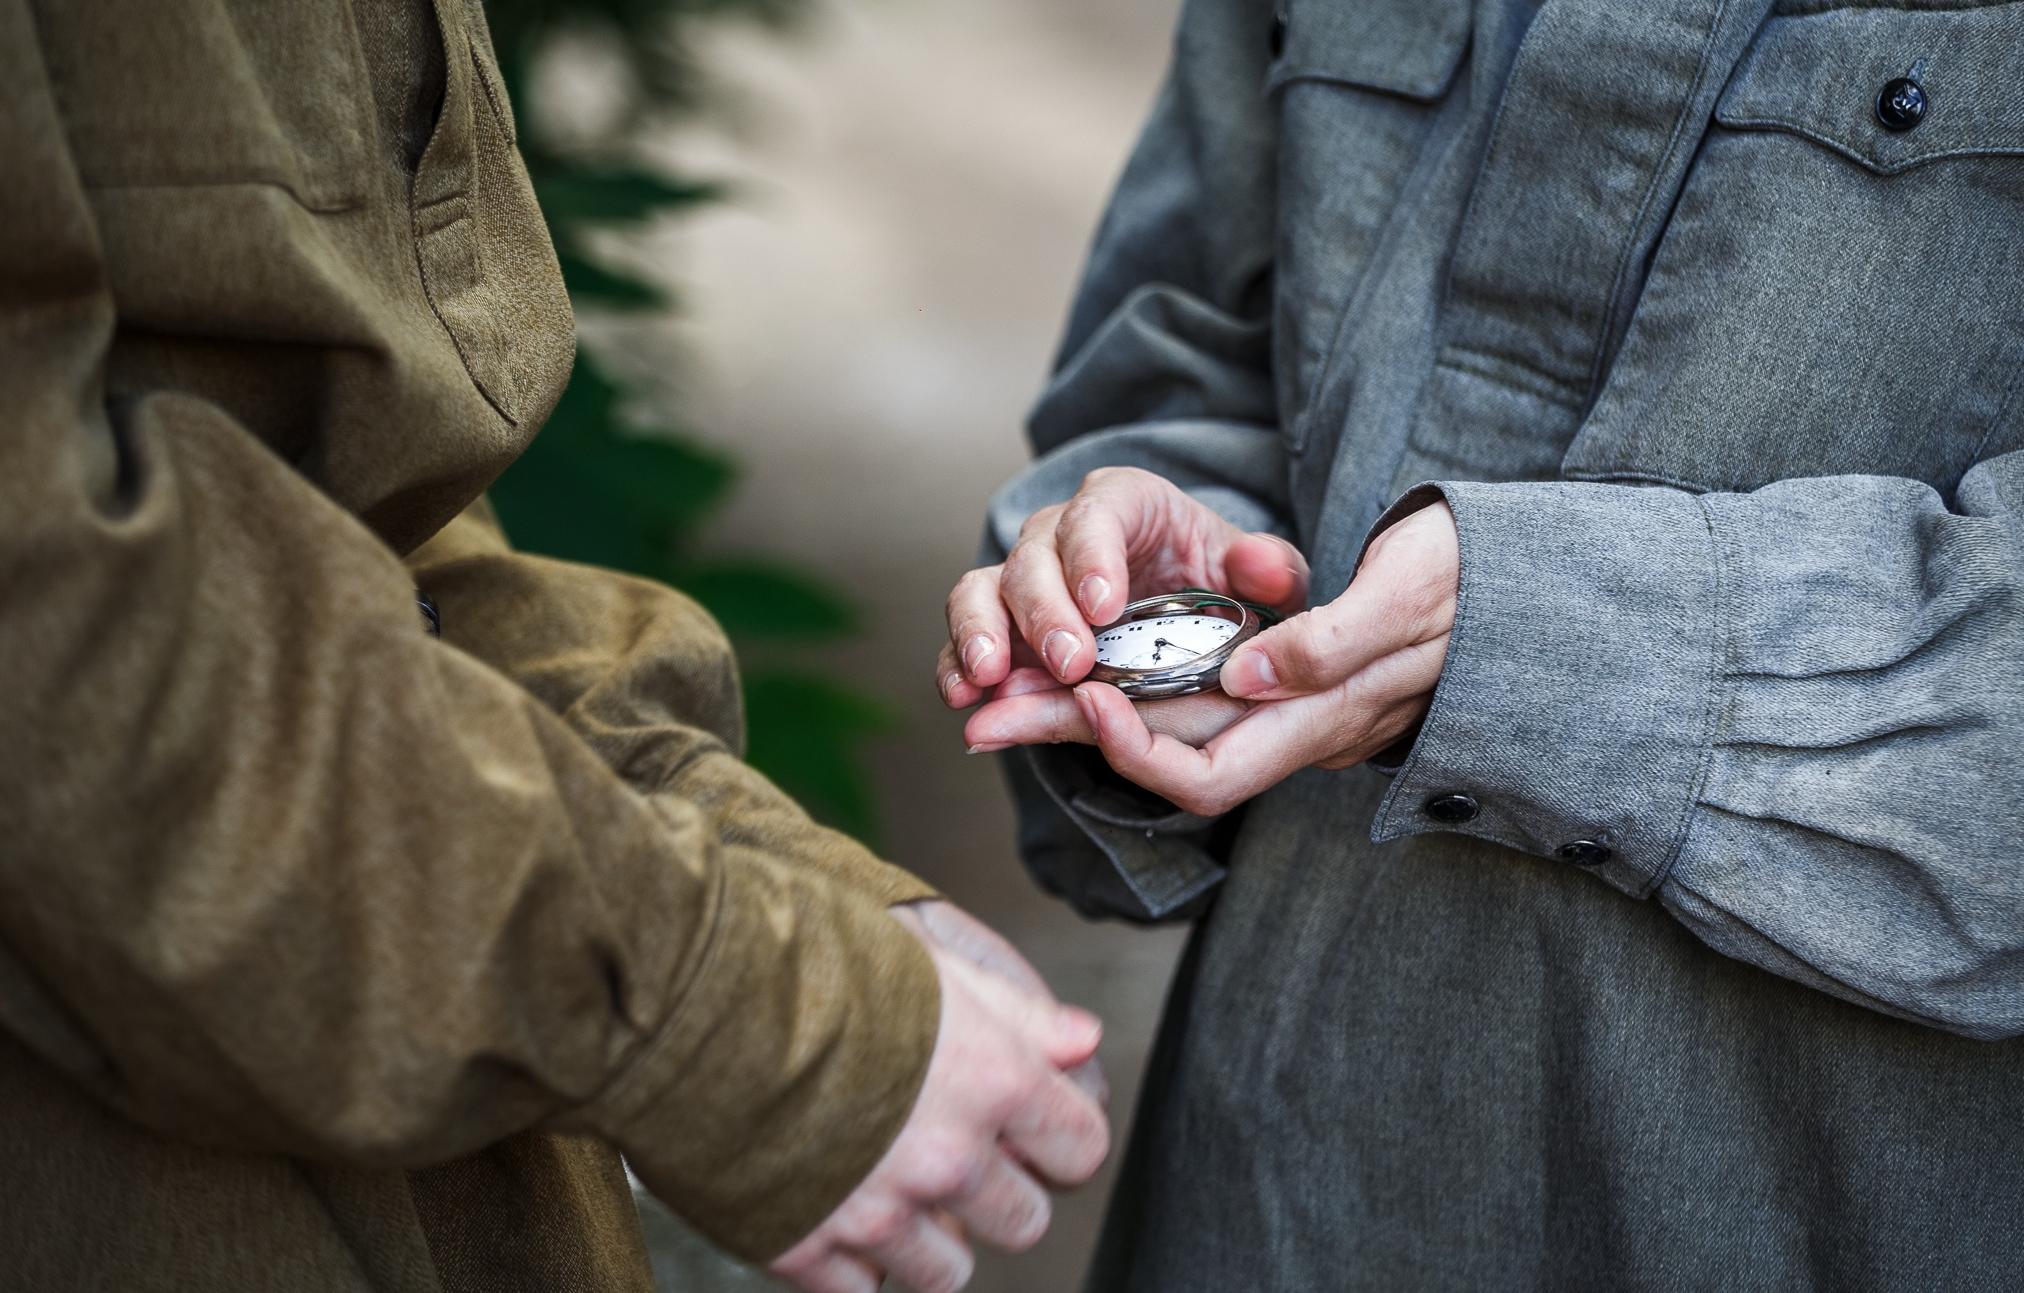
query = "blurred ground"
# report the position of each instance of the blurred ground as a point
(919, 180)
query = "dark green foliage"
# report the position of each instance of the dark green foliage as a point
(610, 480)
(805, 731)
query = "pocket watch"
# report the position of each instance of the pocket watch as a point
(1175, 644)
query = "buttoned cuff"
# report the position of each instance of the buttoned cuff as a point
(1573, 717)
(1112, 849)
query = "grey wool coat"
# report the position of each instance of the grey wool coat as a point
(1710, 335)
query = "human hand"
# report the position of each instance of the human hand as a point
(1126, 533)
(1327, 688)
(948, 926)
(994, 1102)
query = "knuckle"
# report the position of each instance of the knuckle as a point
(1019, 565)
(1079, 511)
(1122, 480)
(1299, 657)
(1040, 522)
(974, 585)
(949, 1174)
(1007, 1088)
(873, 1223)
(1102, 478)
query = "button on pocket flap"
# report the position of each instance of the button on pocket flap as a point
(1887, 88)
(1410, 48)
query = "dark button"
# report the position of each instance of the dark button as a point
(1277, 40)
(432, 619)
(1901, 104)
(1451, 809)
(1585, 853)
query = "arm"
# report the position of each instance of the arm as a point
(1794, 716)
(1166, 366)
(282, 872)
(630, 666)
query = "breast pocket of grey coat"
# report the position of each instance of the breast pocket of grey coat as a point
(1356, 82)
(1841, 286)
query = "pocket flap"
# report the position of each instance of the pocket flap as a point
(1819, 75)
(1409, 48)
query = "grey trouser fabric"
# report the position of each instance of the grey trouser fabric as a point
(1716, 373)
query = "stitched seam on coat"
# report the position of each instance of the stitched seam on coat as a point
(1856, 155)
(1640, 477)
(1505, 369)
(330, 206)
(1614, 305)
(1717, 649)
(1412, 190)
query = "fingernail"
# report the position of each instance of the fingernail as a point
(977, 652)
(950, 681)
(1088, 708)
(1094, 589)
(990, 747)
(1079, 1028)
(1060, 649)
(1250, 673)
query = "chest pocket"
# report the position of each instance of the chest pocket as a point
(486, 261)
(1833, 295)
(1355, 82)
(213, 92)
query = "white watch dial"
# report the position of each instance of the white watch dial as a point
(1162, 643)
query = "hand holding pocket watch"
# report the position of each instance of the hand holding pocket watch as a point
(1206, 709)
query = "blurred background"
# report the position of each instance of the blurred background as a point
(821, 250)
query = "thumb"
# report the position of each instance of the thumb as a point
(1065, 1035)
(1073, 1036)
(1311, 652)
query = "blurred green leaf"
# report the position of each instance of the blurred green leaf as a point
(805, 732)
(595, 486)
(757, 599)
(591, 283)
(615, 195)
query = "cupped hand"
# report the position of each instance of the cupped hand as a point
(994, 1112)
(1126, 533)
(943, 923)
(1327, 688)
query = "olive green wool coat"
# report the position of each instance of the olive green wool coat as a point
(334, 956)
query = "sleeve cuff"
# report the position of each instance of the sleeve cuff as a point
(1107, 847)
(790, 1067)
(1573, 718)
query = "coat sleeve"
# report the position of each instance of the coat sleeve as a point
(283, 873)
(630, 665)
(1166, 365)
(1793, 715)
